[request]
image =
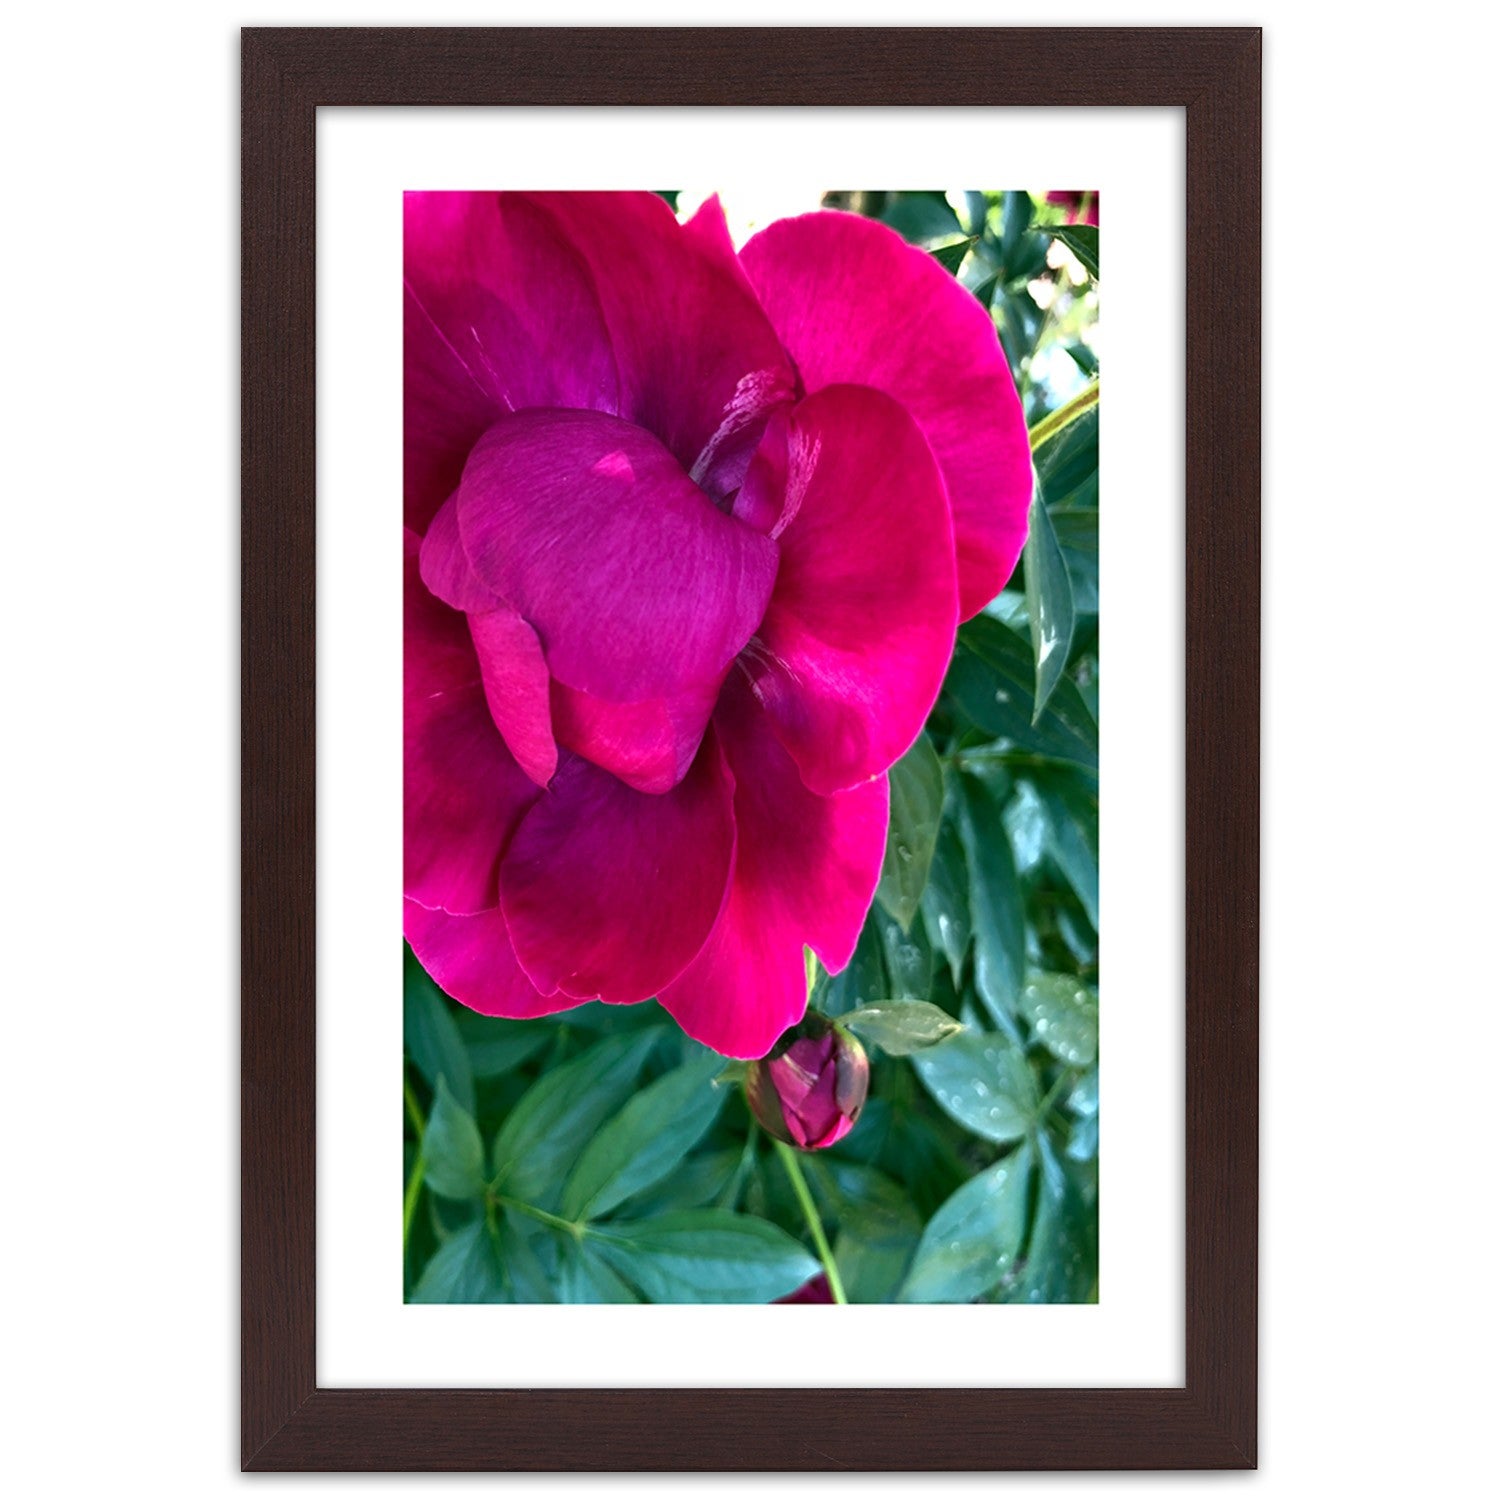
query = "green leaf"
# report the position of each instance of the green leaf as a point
(556, 1117)
(995, 900)
(971, 1241)
(646, 1140)
(982, 1080)
(1063, 1013)
(951, 257)
(916, 812)
(454, 1151)
(919, 217)
(432, 1038)
(1077, 533)
(902, 1027)
(1083, 241)
(991, 681)
(697, 1182)
(945, 897)
(584, 1276)
(529, 1277)
(498, 1046)
(465, 1268)
(908, 959)
(1062, 1257)
(705, 1255)
(1073, 834)
(1067, 465)
(1049, 604)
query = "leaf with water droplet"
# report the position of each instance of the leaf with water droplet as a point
(1064, 1014)
(982, 1080)
(971, 1241)
(916, 811)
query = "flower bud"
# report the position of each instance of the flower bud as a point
(810, 1089)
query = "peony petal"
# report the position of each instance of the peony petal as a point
(501, 313)
(851, 653)
(805, 871)
(854, 303)
(445, 566)
(470, 958)
(463, 791)
(648, 744)
(517, 689)
(700, 365)
(636, 584)
(609, 892)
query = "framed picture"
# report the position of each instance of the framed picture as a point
(747, 811)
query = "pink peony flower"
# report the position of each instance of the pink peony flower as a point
(810, 1089)
(688, 537)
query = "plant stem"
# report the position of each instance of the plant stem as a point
(1065, 415)
(814, 1223)
(418, 1167)
(552, 1221)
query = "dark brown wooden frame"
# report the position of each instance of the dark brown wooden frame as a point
(288, 1422)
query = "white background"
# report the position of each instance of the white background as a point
(1136, 159)
(121, 651)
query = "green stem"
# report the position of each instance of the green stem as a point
(418, 1167)
(814, 1223)
(1065, 415)
(567, 1226)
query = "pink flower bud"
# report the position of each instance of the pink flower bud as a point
(816, 1290)
(810, 1089)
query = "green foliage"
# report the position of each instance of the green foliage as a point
(599, 1156)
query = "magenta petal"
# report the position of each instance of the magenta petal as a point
(700, 365)
(470, 958)
(501, 313)
(517, 689)
(860, 628)
(805, 872)
(649, 744)
(445, 565)
(637, 585)
(853, 302)
(463, 791)
(610, 892)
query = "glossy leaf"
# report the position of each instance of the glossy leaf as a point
(1063, 1014)
(1083, 241)
(561, 1112)
(971, 1242)
(916, 812)
(996, 902)
(1049, 604)
(705, 1255)
(1073, 835)
(861, 982)
(945, 898)
(1067, 466)
(454, 1151)
(1061, 1260)
(646, 1139)
(981, 1079)
(584, 1275)
(908, 959)
(992, 682)
(1077, 533)
(951, 257)
(902, 1027)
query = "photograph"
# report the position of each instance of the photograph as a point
(751, 747)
